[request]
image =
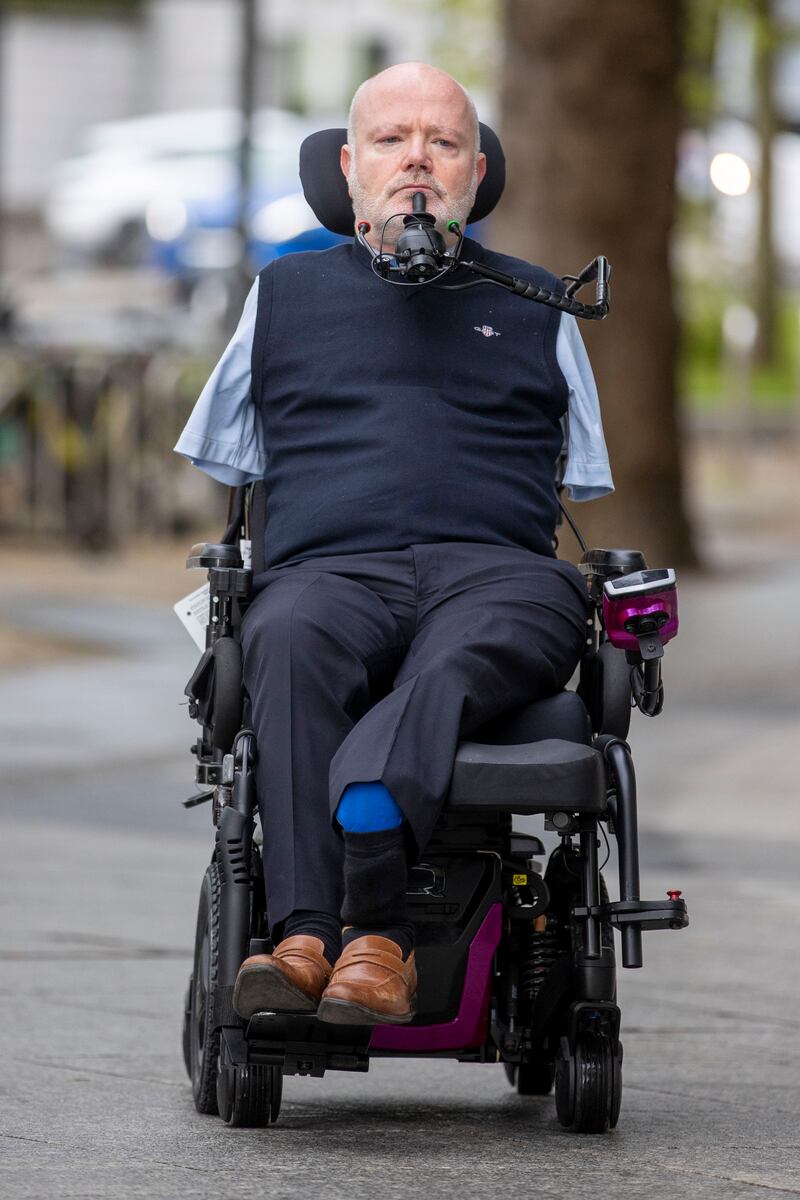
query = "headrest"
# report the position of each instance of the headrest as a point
(325, 186)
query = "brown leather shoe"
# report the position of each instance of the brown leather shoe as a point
(291, 979)
(370, 985)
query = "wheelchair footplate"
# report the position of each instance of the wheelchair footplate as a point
(301, 1045)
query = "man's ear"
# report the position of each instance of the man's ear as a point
(481, 167)
(344, 160)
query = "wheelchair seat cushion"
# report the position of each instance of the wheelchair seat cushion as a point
(547, 776)
(561, 716)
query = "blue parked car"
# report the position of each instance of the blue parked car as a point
(163, 189)
(200, 235)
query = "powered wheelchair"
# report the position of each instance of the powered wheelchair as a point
(516, 959)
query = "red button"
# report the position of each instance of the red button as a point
(675, 894)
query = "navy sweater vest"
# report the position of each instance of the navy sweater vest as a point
(399, 415)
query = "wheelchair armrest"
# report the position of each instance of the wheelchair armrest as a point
(597, 566)
(208, 555)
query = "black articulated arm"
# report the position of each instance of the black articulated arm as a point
(598, 270)
(421, 260)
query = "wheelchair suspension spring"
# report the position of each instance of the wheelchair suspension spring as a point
(540, 952)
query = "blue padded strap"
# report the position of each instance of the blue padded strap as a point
(368, 808)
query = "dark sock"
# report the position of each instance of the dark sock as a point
(375, 881)
(403, 935)
(316, 924)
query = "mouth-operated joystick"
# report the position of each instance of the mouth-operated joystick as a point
(420, 258)
(420, 246)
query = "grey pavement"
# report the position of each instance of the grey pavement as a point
(98, 884)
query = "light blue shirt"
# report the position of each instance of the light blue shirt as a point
(224, 436)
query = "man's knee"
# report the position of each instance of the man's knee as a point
(291, 614)
(323, 636)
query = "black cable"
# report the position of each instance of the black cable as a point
(576, 874)
(242, 734)
(649, 701)
(608, 847)
(573, 526)
(407, 283)
(458, 287)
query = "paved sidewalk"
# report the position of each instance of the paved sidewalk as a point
(99, 874)
(95, 1102)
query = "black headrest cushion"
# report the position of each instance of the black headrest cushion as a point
(325, 186)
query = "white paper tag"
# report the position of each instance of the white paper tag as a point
(192, 612)
(246, 551)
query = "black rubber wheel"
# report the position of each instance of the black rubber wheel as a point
(589, 1085)
(226, 709)
(616, 1089)
(531, 1078)
(226, 1078)
(186, 1032)
(536, 1078)
(249, 1095)
(203, 1038)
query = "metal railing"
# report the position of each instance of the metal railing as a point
(86, 445)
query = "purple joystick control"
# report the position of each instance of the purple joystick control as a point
(639, 605)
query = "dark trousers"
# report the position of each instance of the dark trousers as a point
(374, 666)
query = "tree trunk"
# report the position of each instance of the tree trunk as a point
(589, 122)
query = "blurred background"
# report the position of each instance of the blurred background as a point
(148, 169)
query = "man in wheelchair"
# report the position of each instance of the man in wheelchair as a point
(399, 446)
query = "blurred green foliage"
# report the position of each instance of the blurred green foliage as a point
(771, 24)
(467, 40)
(698, 94)
(703, 375)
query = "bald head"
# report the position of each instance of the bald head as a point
(412, 128)
(410, 80)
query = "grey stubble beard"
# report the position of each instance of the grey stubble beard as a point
(376, 211)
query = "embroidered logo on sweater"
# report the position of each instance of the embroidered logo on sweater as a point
(486, 330)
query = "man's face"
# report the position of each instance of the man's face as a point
(413, 133)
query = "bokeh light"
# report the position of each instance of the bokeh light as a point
(730, 174)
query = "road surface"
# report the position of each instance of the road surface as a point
(98, 886)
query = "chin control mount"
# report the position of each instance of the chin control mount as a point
(420, 247)
(420, 259)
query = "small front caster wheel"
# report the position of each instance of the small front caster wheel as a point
(589, 1083)
(249, 1095)
(536, 1078)
(531, 1078)
(199, 1031)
